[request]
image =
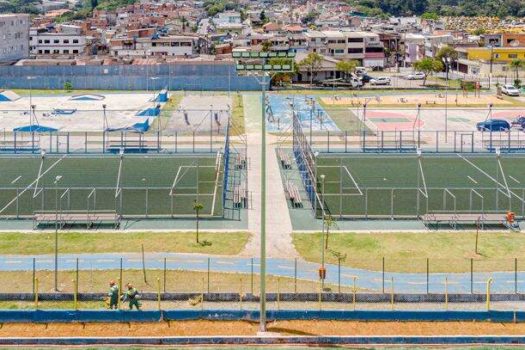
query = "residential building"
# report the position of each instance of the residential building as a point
(67, 43)
(154, 46)
(488, 60)
(14, 37)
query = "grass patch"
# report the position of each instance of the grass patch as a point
(177, 281)
(237, 115)
(407, 252)
(226, 243)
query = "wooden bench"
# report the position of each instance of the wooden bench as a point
(453, 219)
(286, 163)
(88, 218)
(294, 195)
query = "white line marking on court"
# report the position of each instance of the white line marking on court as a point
(44, 261)
(13, 261)
(348, 276)
(513, 179)
(471, 179)
(105, 260)
(15, 180)
(285, 267)
(519, 281)
(134, 260)
(417, 283)
(185, 261)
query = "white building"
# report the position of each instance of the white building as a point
(56, 44)
(14, 37)
(160, 46)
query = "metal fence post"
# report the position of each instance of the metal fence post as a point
(208, 275)
(428, 273)
(76, 275)
(164, 277)
(471, 276)
(383, 270)
(34, 274)
(516, 275)
(339, 275)
(295, 276)
(251, 276)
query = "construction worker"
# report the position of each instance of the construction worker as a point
(132, 296)
(113, 295)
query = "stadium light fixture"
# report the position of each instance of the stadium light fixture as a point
(255, 64)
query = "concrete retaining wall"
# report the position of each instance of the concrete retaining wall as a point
(69, 316)
(299, 297)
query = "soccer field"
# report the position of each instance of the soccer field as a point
(131, 185)
(408, 186)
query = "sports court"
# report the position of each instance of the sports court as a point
(130, 185)
(79, 112)
(280, 110)
(408, 185)
(200, 113)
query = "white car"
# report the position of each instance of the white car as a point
(510, 90)
(416, 76)
(380, 81)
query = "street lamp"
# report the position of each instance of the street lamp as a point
(323, 177)
(57, 180)
(263, 72)
(446, 61)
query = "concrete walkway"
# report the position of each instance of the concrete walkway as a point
(278, 223)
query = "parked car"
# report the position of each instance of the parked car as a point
(510, 90)
(519, 122)
(365, 78)
(380, 81)
(416, 76)
(493, 125)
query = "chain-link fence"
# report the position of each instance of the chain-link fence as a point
(211, 282)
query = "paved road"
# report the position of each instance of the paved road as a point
(504, 282)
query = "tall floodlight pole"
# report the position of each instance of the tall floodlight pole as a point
(256, 64)
(57, 180)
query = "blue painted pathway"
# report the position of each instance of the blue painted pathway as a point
(504, 282)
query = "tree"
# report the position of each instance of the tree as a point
(516, 65)
(197, 207)
(430, 16)
(266, 46)
(282, 78)
(312, 62)
(328, 223)
(347, 67)
(447, 52)
(428, 65)
(68, 86)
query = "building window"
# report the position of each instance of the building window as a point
(355, 50)
(513, 55)
(66, 52)
(75, 51)
(56, 41)
(355, 40)
(46, 52)
(46, 41)
(496, 55)
(40, 41)
(40, 51)
(55, 51)
(374, 49)
(75, 41)
(66, 41)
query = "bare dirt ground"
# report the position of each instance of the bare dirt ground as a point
(245, 328)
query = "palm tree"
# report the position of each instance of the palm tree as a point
(517, 64)
(197, 207)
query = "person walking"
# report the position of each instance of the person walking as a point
(132, 296)
(113, 295)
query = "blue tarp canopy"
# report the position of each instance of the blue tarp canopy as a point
(149, 112)
(137, 127)
(34, 128)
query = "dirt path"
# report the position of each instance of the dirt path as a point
(230, 328)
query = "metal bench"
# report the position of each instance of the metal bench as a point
(455, 218)
(284, 159)
(294, 195)
(88, 218)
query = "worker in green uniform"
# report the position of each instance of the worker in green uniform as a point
(113, 295)
(132, 296)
